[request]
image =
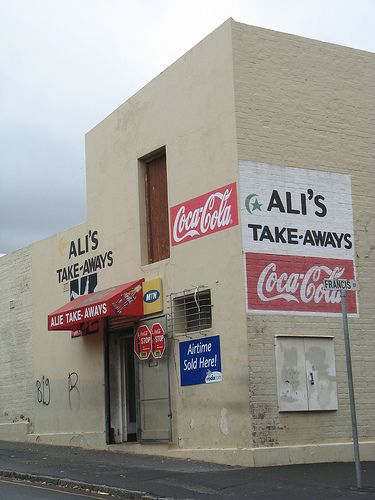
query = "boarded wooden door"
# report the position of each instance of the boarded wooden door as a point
(157, 209)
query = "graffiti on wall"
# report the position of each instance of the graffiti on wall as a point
(43, 391)
(73, 391)
(72, 381)
(297, 229)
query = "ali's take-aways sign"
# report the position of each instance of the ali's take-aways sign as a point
(297, 230)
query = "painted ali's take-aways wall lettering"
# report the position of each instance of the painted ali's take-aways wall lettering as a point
(82, 259)
(297, 230)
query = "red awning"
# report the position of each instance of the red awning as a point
(122, 300)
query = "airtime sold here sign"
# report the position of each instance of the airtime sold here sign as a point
(200, 361)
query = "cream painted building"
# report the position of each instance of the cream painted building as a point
(228, 188)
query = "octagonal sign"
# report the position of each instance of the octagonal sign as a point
(158, 340)
(142, 342)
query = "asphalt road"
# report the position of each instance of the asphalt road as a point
(11, 489)
(137, 475)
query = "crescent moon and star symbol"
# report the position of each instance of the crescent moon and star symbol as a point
(252, 205)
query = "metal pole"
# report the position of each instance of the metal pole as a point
(351, 389)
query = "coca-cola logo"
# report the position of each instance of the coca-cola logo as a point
(204, 215)
(295, 283)
(297, 287)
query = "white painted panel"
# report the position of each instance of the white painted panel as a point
(291, 375)
(154, 393)
(154, 396)
(320, 374)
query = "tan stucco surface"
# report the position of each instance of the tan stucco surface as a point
(243, 93)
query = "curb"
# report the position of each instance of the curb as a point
(71, 483)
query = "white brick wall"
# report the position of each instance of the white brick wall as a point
(309, 104)
(16, 382)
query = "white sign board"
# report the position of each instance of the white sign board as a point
(347, 285)
(295, 211)
(297, 230)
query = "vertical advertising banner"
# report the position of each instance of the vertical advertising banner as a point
(297, 230)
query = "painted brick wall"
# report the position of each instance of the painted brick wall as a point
(16, 382)
(309, 104)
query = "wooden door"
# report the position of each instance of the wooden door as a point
(157, 209)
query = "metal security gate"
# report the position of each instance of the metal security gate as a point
(153, 395)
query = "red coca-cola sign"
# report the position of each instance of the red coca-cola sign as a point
(143, 342)
(204, 215)
(158, 340)
(295, 283)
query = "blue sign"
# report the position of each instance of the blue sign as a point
(200, 361)
(151, 296)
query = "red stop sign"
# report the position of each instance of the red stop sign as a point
(143, 342)
(158, 340)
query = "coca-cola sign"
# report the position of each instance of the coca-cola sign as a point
(295, 283)
(206, 214)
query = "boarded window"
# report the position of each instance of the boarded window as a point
(306, 373)
(157, 209)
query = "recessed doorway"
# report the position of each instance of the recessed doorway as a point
(122, 387)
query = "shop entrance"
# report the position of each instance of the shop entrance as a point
(138, 393)
(122, 387)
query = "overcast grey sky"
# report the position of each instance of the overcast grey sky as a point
(65, 65)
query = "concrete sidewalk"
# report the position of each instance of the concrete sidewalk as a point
(139, 476)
